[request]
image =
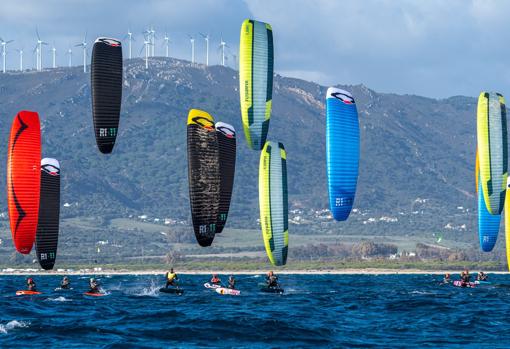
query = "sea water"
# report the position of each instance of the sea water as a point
(387, 311)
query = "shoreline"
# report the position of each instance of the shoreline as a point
(349, 271)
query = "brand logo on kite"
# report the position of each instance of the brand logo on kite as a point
(246, 90)
(110, 42)
(343, 97)
(107, 132)
(339, 202)
(51, 170)
(204, 122)
(228, 132)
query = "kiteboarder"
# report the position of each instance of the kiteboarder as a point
(481, 276)
(272, 279)
(94, 286)
(171, 277)
(447, 278)
(215, 280)
(65, 284)
(31, 284)
(465, 278)
(231, 282)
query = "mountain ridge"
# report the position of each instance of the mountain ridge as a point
(417, 153)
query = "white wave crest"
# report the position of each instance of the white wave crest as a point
(12, 325)
(151, 291)
(59, 299)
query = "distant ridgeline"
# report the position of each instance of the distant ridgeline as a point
(406, 185)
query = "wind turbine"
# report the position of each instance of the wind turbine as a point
(83, 44)
(36, 52)
(150, 35)
(20, 59)
(222, 46)
(206, 38)
(130, 40)
(39, 49)
(235, 61)
(192, 40)
(70, 54)
(166, 43)
(146, 46)
(153, 42)
(4, 50)
(54, 54)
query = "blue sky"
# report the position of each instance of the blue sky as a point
(433, 48)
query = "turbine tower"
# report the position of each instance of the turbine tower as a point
(150, 36)
(83, 44)
(223, 44)
(54, 54)
(38, 49)
(192, 40)
(70, 54)
(235, 61)
(20, 51)
(206, 38)
(146, 46)
(153, 42)
(4, 51)
(36, 52)
(166, 43)
(130, 40)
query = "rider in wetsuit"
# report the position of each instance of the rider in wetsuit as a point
(215, 280)
(272, 280)
(447, 278)
(481, 276)
(65, 284)
(94, 286)
(31, 285)
(465, 278)
(231, 282)
(171, 277)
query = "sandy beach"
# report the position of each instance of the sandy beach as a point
(367, 271)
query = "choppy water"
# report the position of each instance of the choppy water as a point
(410, 311)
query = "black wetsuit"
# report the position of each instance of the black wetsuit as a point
(231, 284)
(94, 287)
(465, 279)
(272, 281)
